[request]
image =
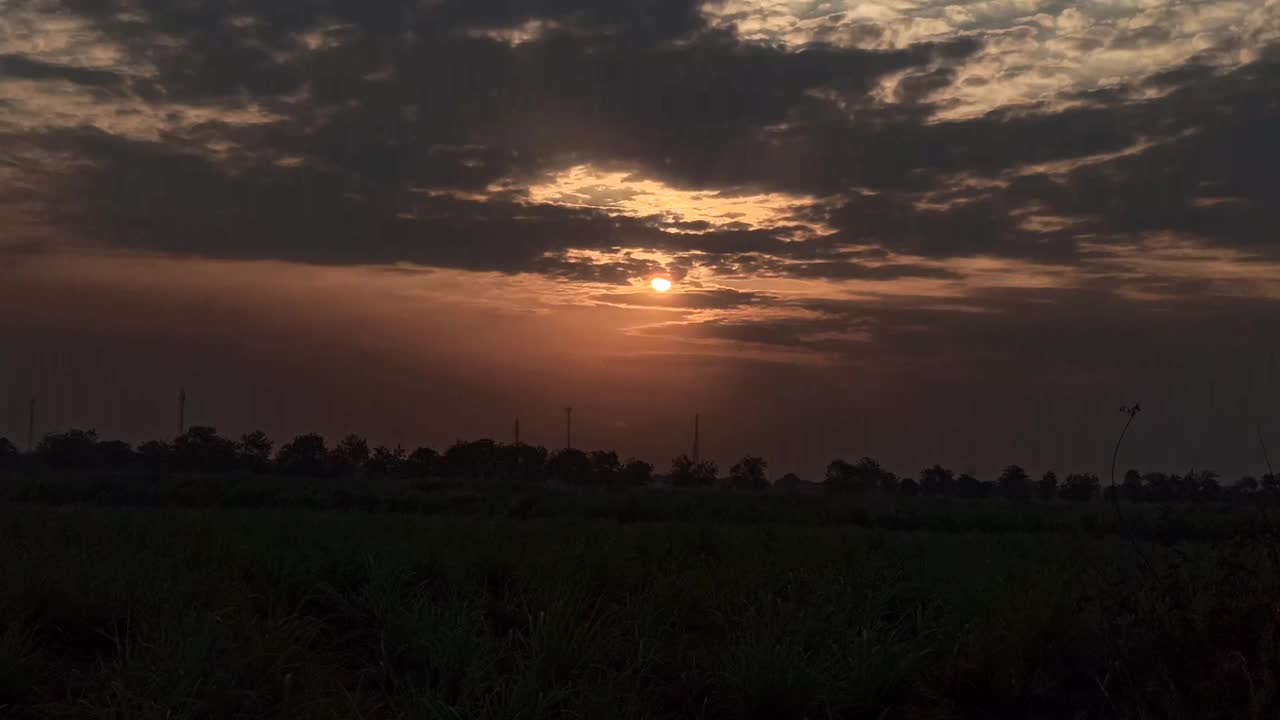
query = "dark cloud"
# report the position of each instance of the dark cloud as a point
(382, 102)
(852, 270)
(914, 88)
(19, 66)
(1214, 173)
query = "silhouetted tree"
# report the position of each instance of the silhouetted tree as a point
(424, 462)
(1157, 487)
(1131, 486)
(937, 480)
(469, 460)
(114, 453)
(1246, 487)
(1014, 483)
(605, 467)
(8, 453)
(202, 449)
(305, 455)
(1080, 487)
(156, 456)
(685, 472)
(383, 461)
(865, 475)
(968, 486)
(1270, 488)
(523, 463)
(791, 481)
(68, 450)
(839, 475)
(253, 452)
(637, 472)
(1184, 486)
(570, 466)
(749, 473)
(1047, 488)
(1205, 486)
(349, 455)
(909, 487)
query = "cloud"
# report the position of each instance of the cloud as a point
(682, 299)
(770, 157)
(1033, 51)
(24, 67)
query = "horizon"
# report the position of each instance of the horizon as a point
(814, 469)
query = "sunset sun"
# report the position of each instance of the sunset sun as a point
(660, 284)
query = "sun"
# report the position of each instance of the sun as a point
(660, 284)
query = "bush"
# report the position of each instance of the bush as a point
(114, 454)
(304, 455)
(383, 461)
(637, 472)
(1047, 488)
(605, 467)
(867, 474)
(686, 472)
(8, 453)
(69, 450)
(1014, 483)
(422, 463)
(570, 466)
(909, 487)
(1080, 487)
(469, 460)
(749, 473)
(349, 455)
(156, 456)
(937, 480)
(253, 452)
(202, 449)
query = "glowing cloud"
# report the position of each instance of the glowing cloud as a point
(676, 209)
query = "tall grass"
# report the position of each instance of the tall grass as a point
(179, 613)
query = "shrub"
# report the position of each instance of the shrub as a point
(70, 449)
(749, 473)
(8, 453)
(687, 472)
(304, 455)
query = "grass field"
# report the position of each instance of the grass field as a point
(553, 608)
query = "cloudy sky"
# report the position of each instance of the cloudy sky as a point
(923, 231)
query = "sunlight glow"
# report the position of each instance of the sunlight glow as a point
(660, 284)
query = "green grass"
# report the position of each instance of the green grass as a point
(291, 613)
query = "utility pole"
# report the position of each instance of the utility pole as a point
(31, 427)
(517, 431)
(182, 411)
(697, 439)
(568, 428)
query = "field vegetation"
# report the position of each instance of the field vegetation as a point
(312, 583)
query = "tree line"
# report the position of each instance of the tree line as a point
(202, 450)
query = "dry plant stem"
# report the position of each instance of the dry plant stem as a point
(1132, 411)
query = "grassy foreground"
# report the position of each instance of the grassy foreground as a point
(294, 613)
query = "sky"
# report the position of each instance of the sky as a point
(961, 233)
